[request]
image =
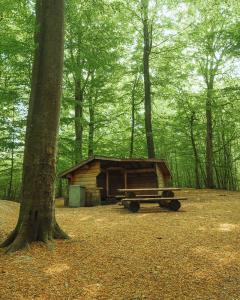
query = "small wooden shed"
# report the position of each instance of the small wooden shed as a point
(103, 176)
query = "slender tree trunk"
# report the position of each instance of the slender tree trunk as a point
(9, 192)
(195, 153)
(132, 125)
(218, 182)
(78, 121)
(176, 169)
(202, 170)
(228, 167)
(235, 178)
(91, 128)
(209, 136)
(133, 115)
(232, 176)
(147, 82)
(225, 161)
(37, 212)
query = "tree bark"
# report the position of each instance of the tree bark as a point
(176, 169)
(209, 136)
(36, 220)
(10, 185)
(78, 121)
(91, 127)
(195, 153)
(147, 82)
(9, 192)
(133, 115)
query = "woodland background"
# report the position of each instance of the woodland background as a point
(194, 78)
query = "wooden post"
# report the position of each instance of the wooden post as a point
(159, 178)
(125, 179)
(107, 182)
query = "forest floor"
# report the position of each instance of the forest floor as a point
(114, 254)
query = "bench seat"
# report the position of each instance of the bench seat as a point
(153, 199)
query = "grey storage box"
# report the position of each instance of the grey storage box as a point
(77, 196)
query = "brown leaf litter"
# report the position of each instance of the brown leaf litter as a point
(114, 254)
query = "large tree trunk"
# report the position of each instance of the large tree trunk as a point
(78, 121)
(209, 136)
(37, 212)
(147, 82)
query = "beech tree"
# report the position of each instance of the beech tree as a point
(213, 42)
(16, 44)
(183, 54)
(90, 62)
(147, 38)
(37, 213)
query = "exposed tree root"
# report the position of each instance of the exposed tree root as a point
(19, 239)
(18, 244)
(58, 233)
(9, 240)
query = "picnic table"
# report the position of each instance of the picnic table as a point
(133, 197)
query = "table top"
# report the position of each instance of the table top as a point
(150, 189)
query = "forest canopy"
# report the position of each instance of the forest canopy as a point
(193, 50)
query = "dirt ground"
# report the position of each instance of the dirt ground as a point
(114, 254)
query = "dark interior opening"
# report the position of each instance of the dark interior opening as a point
(116, 181)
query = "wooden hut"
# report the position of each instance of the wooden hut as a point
(103, 176)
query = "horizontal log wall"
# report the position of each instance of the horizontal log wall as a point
(136, 178)
(86, 177)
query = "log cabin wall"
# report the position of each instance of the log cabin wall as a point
(86, 177)
(103, 177)
(160, 177)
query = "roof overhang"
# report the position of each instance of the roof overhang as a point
(161, 162)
